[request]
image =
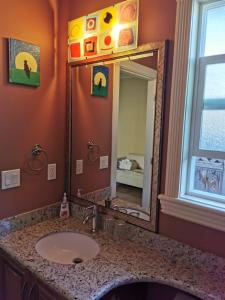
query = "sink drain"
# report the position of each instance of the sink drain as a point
(77, 260)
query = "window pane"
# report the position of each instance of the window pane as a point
(215, 31)
(213, 130)
(208, 175)
(212, 136)
(215, 82)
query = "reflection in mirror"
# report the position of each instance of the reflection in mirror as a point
(91, 124)
(134, 120)
(116, 133)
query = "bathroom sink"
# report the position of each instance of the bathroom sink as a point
(147, 291)
(67, 247)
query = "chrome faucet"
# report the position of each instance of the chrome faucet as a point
(93, 215)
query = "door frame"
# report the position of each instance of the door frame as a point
(149, 74)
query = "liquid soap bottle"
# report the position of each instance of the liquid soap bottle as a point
(64, 209)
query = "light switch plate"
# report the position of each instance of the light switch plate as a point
(104, 162)
(79, 166)
(51, 171)
(10, 179)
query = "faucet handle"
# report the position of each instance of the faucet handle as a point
(93, 208)
(89, 207)
(115, 207)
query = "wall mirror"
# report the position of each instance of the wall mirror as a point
(115, 115)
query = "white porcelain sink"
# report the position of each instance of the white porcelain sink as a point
(67, 247)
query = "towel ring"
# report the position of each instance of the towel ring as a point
(93, 151)
(36, 152)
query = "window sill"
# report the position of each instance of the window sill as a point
(207, 214)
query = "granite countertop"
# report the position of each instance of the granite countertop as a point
(119, 261)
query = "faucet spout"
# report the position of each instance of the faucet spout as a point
(93, 216)
(87, 218)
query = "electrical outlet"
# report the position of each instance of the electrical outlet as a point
(51, 171)
(104, 162)
(10, 179)
(79, 166)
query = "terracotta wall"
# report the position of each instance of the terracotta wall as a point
(91, 121)
(31, 115)
(197, 236)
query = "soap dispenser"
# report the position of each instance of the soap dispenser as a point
(64, 209)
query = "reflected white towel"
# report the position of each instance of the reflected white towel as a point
(125, 164)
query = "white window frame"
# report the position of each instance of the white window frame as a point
(175, 201)
(202, 64)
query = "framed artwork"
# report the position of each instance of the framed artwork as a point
(99, 81)
(24, 63)
(107, 31)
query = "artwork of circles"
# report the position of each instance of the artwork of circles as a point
(91, 24)
(107, 31)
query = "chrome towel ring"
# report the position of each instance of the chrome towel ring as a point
(93, 151)
(40, 155)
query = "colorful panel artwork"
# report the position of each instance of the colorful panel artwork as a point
(75, 50)
(126, 37)
(106, 43)
(99, 81)
(90, 46)
(127, 18)
(107, 18)
(76, 29)
(91, 24)
(127, 12)
(110, 30)
(24, 63)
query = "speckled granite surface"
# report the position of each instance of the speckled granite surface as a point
(20, 221)
(151, 258)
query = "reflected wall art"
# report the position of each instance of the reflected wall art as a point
(99, 81)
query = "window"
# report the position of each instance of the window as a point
(206, 166)
(195, 169)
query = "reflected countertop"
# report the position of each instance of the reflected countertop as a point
(119, 261)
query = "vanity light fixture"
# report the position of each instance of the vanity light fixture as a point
(120, 59)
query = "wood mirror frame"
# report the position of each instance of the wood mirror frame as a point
(161, 49)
